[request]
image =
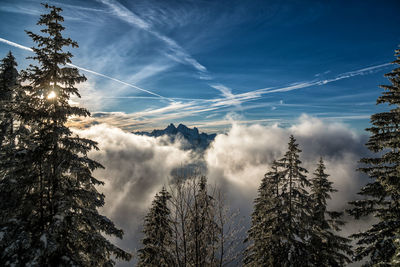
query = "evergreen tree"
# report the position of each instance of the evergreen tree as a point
(56, 221)
(158, 244)
(327, 248)
(8, 84)
(281, 219)
(14, 139)
(266, 220)
(296, 207)
(382, 194)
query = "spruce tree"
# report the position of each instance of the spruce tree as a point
(158, 244)
(327, 248)
(265, 236)
(295, 213)
(281, 219)
(9, 89)
(8, 86)
(382, 195)
(56, 221)
(14, 166)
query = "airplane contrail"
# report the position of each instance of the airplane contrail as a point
(15, 44)
(90, 71)
(119, 81)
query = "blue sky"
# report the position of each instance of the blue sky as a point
(206, 63)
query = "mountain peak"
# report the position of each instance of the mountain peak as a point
(171, 126)
(192, 136)
(182, 126)
(171, 129)
(184, 129)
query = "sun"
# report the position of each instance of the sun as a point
(51, 95)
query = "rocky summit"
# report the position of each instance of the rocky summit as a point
(192, 137)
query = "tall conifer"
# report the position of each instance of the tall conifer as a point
(14, 166)
(265, 235)
(296, 207)
(281, 219)
(327, 248)
(8, 88)
(382, 194)
(158, 243)
(56, 215)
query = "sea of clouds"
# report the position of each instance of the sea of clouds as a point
(136, 167)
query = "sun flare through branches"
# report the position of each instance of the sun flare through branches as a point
(51, 95)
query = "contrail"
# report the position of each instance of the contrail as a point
(119, 81)
(15, 44)
(90, 71)
(128, 16)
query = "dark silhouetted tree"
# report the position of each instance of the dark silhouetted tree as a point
(56, 221)
(382, 194)
(8, 88)
(14, 166)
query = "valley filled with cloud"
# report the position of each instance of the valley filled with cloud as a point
(240, 79)
(137, 167)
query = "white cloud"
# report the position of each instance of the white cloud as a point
(138, 166)
(239, 159)
(176, 52)
(198, 106)
(153, 69)
(149, 71)
(118, 81)
(229, 97)
(91, 97)
(126, 14)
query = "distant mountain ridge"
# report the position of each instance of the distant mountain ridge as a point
(194, 139)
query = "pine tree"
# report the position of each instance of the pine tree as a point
(327, 248)
(157, 244)
(8, 84)
(282, 215)
(382, 194)
(295, 207)
(56, 221)
(14, 138)
(266, 220)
